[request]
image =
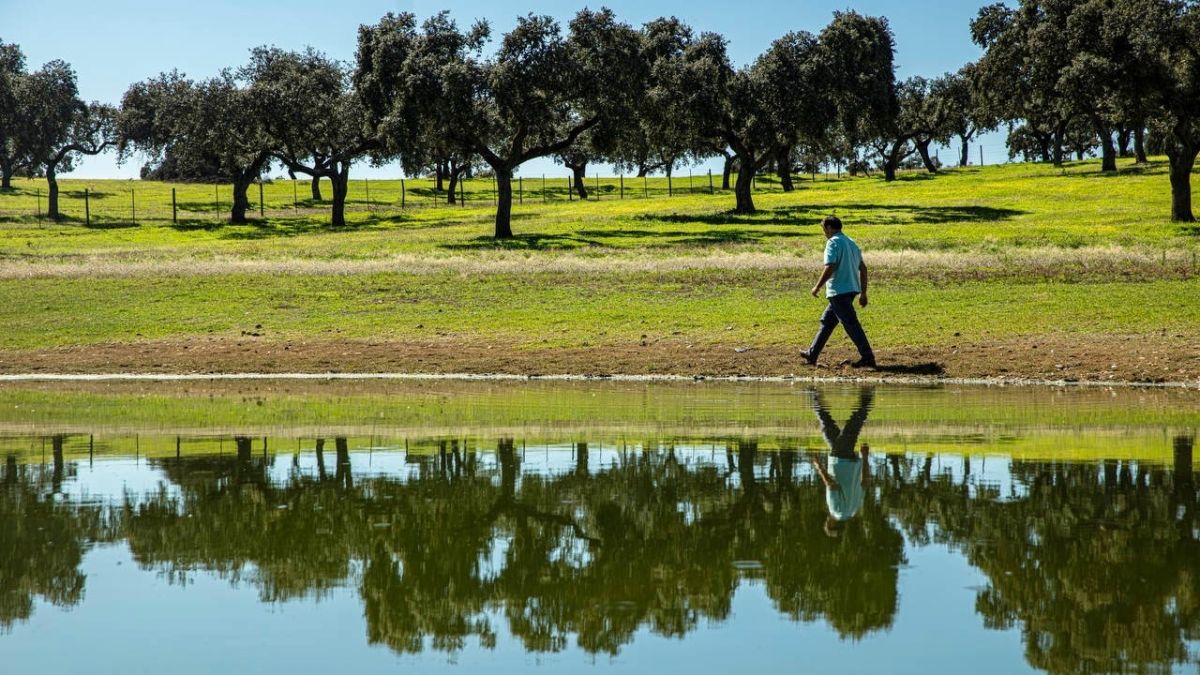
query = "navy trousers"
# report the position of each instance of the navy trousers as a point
(841, 310)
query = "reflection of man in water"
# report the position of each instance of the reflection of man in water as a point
(849, 472)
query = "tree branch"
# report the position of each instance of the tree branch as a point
(550, 149)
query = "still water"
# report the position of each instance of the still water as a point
(539, 527)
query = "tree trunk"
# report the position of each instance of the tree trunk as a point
(244, 449)
(923, 148)
(579, 176)
(341, 473)
(6, 173)
(316, 189)
(340, 179)
(891, 162)
(1044, 145)
(889, 170)
(727, 171)
(1139, 144)
(439, 172)
(1123, 135)
(241, 203)
(1057, 147)
(56, 450)
(1182, 158)
(241, 183)
(965, 157)
(503, 202)
(783, 166)
(1108, 151)
(451, 195)
(581, 460)
(52, 194)
(743, 189)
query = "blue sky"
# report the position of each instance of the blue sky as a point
(112, 43)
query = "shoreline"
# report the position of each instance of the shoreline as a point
(567, 377)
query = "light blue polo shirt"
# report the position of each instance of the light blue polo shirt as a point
(845, 500)
(841, 251)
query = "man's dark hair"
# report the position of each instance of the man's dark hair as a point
(832, 222)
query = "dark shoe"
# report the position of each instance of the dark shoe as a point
(808, 358)
(863, 363)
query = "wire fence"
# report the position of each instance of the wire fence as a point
(129, 202)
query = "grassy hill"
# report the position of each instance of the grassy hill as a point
(1017, 270)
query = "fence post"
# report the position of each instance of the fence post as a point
(295, 198)
(570, 197)
(367, 185)
(597, 187)
(670, 187)
(174, 208)
(981, 154)
(645, 187)
(710, 184)
(690, 188)
(622, 177)
(39, 204)
(402, 193)
(494, 199)
(520, 189)
(87, 208)
(262, 213)
(545, 199)
(217, 201)
(133, 206)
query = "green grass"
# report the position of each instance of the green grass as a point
(1017, 421)
(981, 252)
(541, 311)
(1019, 205)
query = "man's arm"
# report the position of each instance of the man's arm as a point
(862, 276)
(825, 275)
(823, 473)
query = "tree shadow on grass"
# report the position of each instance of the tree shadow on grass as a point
(900, 214)
(91, 194)
(525, 242)
(1093, 170)
(279, 227)
(725, 235)
(864, 214)
(98, 222)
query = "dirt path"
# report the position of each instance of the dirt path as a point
(1095, 358)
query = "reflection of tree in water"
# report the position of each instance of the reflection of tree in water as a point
(645, 542)
(1098, 567)
(42, 537)
(1095, 564)
(230, 517)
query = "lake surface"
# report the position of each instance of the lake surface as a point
(512, 527)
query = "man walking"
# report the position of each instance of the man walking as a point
(844, 276)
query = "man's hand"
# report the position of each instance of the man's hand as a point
(862, 299)
(816, 290)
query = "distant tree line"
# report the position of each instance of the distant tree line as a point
(1064, 76)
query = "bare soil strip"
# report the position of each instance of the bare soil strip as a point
(1143, 358)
